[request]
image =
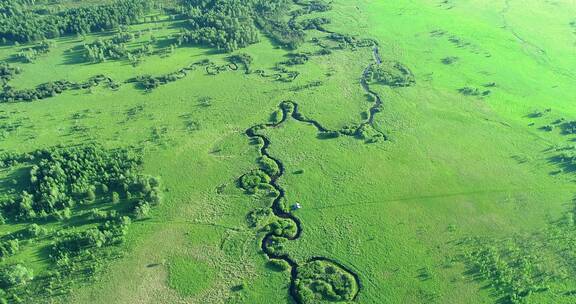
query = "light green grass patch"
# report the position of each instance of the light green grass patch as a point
(189, 276)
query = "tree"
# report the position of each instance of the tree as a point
(90, 195)
(115, 197)
(142, 210)
(14, 275)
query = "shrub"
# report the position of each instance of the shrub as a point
(7, 72)
(569, 127)
(296, 59)
(276, 117)
(278, 265)
(287, 106)
(322, 279)
(242, 59)
(141, 209)
(8, 248)
(250, 181)
(469, 91)
(330, 134)
(14, 275)
(257, 216)
(282, 227)
(34, 230)
(115, 197)
(269, 166)
(392, 74)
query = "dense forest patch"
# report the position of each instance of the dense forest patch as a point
(76, 204)
(20, 24)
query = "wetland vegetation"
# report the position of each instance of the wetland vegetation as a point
(291, 151)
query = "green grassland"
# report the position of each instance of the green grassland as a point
(466, 201)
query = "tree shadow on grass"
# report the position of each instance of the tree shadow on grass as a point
(566, 166)
(74, 55)
(15, 181)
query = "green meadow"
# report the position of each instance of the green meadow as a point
(400, 152)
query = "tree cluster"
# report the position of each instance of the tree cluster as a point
(282, 227)
(254, 180)
(7, 72)
(224, 24)
(115, 48)
(149, 82)
(390, 74)
(269, 165)
(8, 248)
(17, 23)
(242, 59)
(324, 280)
(59, 184)
(28, 55)
(314, 23)
(14, 275)
(61, 178)
(75, 243)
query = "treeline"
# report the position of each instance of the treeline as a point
(51, 89)
(149, 82)
(76, 243)
(19, 24)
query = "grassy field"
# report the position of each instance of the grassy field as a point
(466, 201)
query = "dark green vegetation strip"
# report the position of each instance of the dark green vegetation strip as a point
(75, 204)
(53, 88)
